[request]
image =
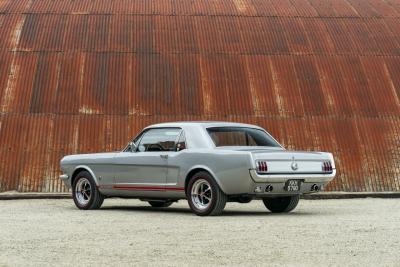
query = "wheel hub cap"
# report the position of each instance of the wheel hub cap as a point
(201, 194)
(83, 191)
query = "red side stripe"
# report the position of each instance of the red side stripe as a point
(147, 188)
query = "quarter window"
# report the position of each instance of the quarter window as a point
(162, 139)
(181, 145)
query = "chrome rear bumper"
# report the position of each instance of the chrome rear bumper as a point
(276, 178)
(269, 185)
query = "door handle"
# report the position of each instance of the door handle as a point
(164, 156)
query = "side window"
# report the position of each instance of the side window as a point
(162, 139)
(181, 145)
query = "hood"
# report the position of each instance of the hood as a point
(88, 158)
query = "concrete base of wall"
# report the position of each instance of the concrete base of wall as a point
(16, 195)
(342, 195)
(322, 195)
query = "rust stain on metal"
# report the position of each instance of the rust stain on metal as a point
(9, 91)
(86, 76)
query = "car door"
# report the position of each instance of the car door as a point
(145, 168)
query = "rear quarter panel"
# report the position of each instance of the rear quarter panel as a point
(230, 169)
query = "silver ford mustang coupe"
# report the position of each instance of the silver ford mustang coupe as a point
(207, 163)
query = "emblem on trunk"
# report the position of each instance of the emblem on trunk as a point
(294, 165)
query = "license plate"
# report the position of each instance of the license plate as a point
(292, 185)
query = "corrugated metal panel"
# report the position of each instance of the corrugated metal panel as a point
(394, 27)
(383, 8)
(394, 4)
(357, 88)
(318, 36)
(384, 36)
(86, 76)
(309, 85)
(295, 35)
(363, 40)
(386, 101)
(288, 91)
(340, 36)
(364, 8)
(11, 6)
(284, 8)
(324, 8)
(343, 8)
(392, 72)
(261, 84)
(334, 88)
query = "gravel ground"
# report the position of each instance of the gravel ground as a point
(347, 232)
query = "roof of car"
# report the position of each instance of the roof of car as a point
(205, 124)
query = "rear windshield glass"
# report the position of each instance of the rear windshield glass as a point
(240, 136)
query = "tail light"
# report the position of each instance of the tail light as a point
(327, 167)
(262, 166)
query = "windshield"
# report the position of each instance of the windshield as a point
(240, 136)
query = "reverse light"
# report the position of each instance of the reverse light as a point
(262, 166)
(327, 167)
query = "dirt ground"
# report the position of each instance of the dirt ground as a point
(349, 232)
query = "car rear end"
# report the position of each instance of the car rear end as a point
(290, 172)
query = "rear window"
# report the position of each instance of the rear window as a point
(240, 136)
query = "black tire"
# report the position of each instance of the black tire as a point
(218, 198)
(160, 204)
(281, 204)
(96, 198)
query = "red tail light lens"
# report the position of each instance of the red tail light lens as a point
(262, 166)
(327, 167)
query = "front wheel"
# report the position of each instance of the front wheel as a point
(85, 193)
(204, 195)
(281, 204)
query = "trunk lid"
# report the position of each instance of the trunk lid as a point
(280, 161)
(293, 162)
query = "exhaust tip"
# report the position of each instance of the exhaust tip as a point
(269, 188)
(315, 187)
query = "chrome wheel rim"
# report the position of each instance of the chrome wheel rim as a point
(201, 194)
(83, 191)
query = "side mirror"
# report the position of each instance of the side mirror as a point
(132, 147)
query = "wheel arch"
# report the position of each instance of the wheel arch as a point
(197, 169)
(80, 168)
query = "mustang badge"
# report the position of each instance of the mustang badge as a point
(294, 165)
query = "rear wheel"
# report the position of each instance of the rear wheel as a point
(281, 204)
(204, 195)
(85, 192)
(160, 204)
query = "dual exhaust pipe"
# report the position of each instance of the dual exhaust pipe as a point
(269, 188)
(315, 188)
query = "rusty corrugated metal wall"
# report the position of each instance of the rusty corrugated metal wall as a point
(85, 76)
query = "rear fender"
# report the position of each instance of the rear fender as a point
(211, 172)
